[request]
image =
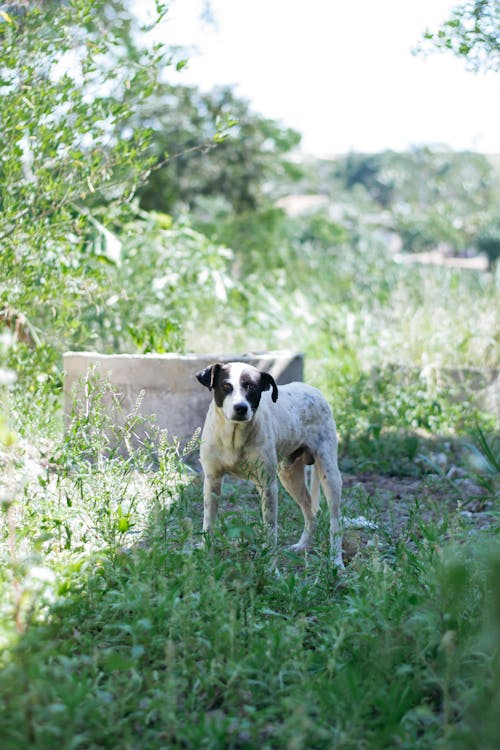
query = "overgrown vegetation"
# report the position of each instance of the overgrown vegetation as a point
(132, 226)
(128, 633)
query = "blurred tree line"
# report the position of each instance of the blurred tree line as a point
(431, 197)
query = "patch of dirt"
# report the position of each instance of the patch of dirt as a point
(400, 504)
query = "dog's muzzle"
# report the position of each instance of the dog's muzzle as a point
(241, 412)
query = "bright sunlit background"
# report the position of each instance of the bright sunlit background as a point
(343, 74)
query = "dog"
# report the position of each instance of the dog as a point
(255, 430)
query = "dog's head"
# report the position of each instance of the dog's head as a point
(237, 388)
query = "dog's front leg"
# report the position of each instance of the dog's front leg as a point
(211, 494)
(269, 504)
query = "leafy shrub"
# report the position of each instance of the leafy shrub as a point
(62, 98)
(167, 277)
(210, 145)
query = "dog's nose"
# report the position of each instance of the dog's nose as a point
(241, 410)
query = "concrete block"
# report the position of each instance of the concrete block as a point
(172, 398)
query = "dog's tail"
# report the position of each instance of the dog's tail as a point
(315, 489)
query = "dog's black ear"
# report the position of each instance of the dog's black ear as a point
(267, 381)
(207, 376)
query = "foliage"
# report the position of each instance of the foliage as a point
(83, 267)
(351, 298)
(385, 339)
(211, 145)
(471, 33)
(367, 170)
(420, 177)
(261, 239)
(116, 628)
(63, 91)
(434, 196)
(488, 241)
(167, 274)
(195, 652)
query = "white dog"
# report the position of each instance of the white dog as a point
(257, 432)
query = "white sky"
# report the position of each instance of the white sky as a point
(340, 72)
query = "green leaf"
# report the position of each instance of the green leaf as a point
(115, 662)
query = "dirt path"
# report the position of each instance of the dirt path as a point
(395, 503)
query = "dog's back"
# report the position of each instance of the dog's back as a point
(300, 410)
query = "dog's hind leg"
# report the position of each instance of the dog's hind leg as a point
(331, 483)
(292, 477)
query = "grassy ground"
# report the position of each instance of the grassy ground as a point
(118, 630)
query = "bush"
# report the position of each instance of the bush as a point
(65, 88)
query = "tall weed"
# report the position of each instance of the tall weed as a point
(89, 494)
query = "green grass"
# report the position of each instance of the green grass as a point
(353, 307)
(130, 635)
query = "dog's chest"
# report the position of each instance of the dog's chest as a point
(229, 448)
(234, 452)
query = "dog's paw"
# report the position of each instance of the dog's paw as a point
(360, 523)
(299, 547)
(202, 542)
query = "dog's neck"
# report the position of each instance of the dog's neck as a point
(233, 434)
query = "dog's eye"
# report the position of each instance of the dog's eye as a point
(249, 386)
(227, 387)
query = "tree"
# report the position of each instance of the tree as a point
(471, 33)
(488, 241)
(64, 88)
(193, 161)
(367, 170)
